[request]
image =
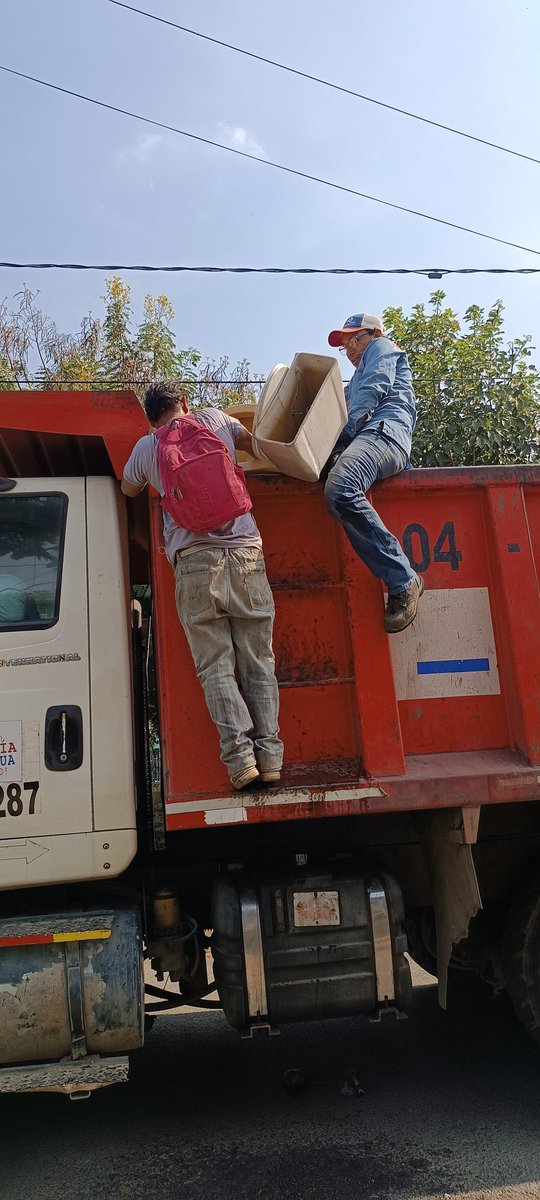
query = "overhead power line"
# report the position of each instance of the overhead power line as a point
(208, 386)
(201, 383)
(428, 272)
(325, 82)
(265, 161)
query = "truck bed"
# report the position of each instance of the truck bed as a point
(445, 713)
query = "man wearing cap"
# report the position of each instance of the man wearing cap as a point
(375, 443)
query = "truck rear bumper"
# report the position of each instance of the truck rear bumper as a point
(75, 1079)
(430, 781)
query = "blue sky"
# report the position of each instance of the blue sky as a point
(82, 184)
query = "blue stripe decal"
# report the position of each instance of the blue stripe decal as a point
(446, 666)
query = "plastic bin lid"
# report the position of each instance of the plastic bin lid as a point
(272, 385)
(274, 381)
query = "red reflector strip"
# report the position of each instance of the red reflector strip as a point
(39, 939)
(31, 939)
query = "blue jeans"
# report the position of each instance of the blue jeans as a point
(370, 456)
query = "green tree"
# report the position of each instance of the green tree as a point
(136, 356)
(478, 398)
(111, 352)
(221, 385)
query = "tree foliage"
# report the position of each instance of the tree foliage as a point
(478, 398)
(110, 352)
(221, 385)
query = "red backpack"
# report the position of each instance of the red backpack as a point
(203, 488)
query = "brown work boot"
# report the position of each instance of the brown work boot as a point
(270, 777)
(401, 609)
(243, 780)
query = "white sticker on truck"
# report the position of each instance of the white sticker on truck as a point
(449, 650)
(11, 751)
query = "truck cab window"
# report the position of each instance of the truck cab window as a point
(31, 544)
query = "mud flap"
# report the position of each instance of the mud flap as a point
(456, 895)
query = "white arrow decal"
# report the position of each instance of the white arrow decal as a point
(27, 850)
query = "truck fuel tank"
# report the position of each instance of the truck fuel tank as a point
(299, 946)
(71, 985)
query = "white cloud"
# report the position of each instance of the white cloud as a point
(241, 139)
(142, 149)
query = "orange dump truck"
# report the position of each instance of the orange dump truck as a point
(408, 815)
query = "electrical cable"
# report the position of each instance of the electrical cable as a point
(115, 385)
(427, 272)
(265, 161)
(324, 82)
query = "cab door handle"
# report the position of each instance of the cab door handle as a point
(63, 737)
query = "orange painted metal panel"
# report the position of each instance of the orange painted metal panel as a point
(312, 637)
(430, 781)
(532, 508)
(381, 745)
(340, 714)
(447, 712)
(516, 600)
(453, 724)
(116, 417)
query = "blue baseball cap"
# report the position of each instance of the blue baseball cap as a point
(353, 325)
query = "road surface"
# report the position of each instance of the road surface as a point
(451, 1108)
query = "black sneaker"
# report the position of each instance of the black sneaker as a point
(401, 609)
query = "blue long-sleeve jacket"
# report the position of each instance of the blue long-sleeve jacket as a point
(380, 394)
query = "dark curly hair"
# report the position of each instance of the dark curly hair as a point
(162, 398)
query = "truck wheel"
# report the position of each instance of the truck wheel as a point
(471, 968)
(419, 927)
(522, 957)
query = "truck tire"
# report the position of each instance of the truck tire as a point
(421, 939)
(522, 957)
(466, 967)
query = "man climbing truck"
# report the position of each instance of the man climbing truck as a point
(408, 812)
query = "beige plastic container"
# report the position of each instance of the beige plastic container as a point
(300, 415)
(245, 413)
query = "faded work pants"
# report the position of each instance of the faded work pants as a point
(226, 608)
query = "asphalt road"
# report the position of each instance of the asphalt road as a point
(451, 1107)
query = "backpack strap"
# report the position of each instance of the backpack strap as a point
(164, 430)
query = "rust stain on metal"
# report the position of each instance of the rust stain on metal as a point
(33, 1017)
(314, 670)
(316, 908)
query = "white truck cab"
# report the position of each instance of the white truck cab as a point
(67, 787)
